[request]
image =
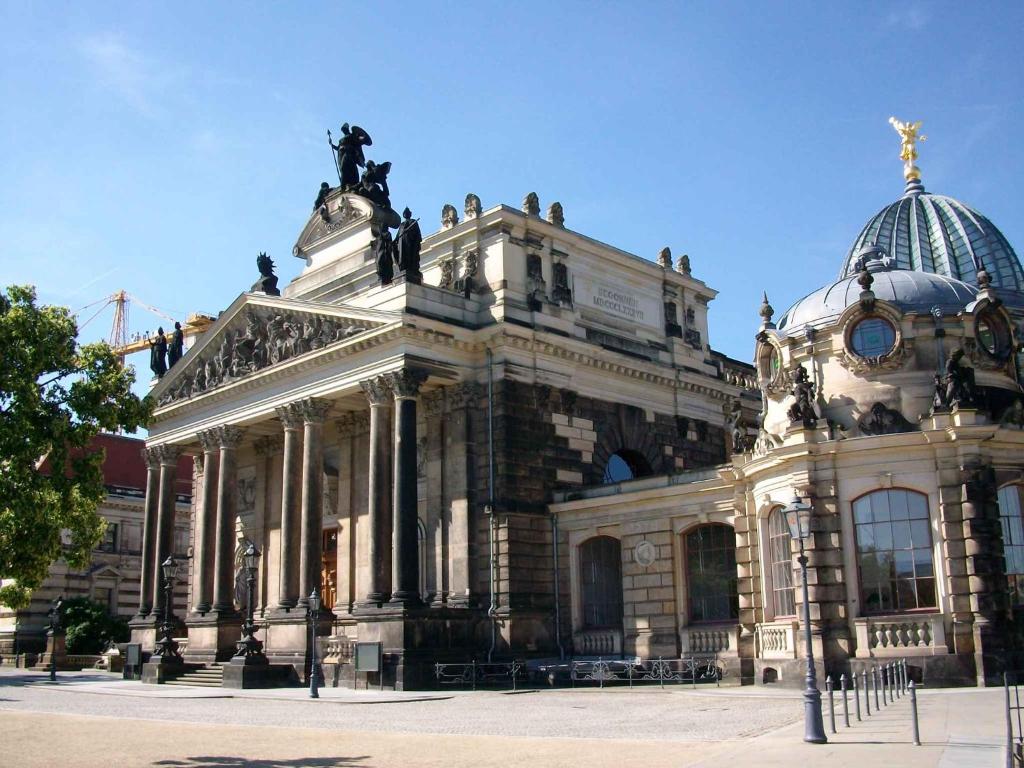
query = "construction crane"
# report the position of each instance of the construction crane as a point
(119, 341)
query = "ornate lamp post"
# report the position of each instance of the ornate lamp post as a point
(798, 517)
(249, 646)
(54, 633)
(166, 647)
(314, 616)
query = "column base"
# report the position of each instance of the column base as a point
(145, 630)
(212, 637)
(159, 668)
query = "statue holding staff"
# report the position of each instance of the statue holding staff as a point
(350, 154)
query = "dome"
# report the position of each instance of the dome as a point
(934, 233)
(909, 290)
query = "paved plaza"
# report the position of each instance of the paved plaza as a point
(99, 720)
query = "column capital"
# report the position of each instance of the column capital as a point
(160, 455)
(313, 410)
(463, 395)
(377, 390)
(268, 445)
(229, 436)
(151, 456)
(209, 440)
(405, 383)
(290, 416)
(353, 423)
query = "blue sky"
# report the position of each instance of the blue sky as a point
(158, 147)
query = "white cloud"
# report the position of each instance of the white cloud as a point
(911, 17)
(124, 71)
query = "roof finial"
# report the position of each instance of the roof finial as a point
(909, 136)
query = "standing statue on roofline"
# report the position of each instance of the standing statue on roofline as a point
(407, 247)
(350, 154)
(158, 354)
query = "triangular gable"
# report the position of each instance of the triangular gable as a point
(257, 332)
(99, 571)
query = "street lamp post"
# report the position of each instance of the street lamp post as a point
(166, 647)
(249, 647)
(798, 517)
(54, 633)
(314, 616)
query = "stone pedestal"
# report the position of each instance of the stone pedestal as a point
(159, 668)
(257, 672)
(211, 637)
(55, 649)
(144, 631)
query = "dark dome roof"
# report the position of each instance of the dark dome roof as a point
(911, 291)
(934, 233)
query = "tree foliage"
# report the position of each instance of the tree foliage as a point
(55, 396)
(89, 628)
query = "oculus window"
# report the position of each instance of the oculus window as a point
(873, 337)
(711, 573)
(894, 551)
(781, 564)
(1012, 519)
(601, 582)
(993, 334)
(625, 465)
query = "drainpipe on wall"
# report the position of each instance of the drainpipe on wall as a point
(492, 611)
(558, 606)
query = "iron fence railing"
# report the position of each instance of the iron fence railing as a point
(692, 670)
(485, 674)
(1014, 731)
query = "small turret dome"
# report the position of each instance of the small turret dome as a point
(911, 291)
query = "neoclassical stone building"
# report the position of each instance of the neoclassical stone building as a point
(396, 445)
(531, 450)
(892, 402)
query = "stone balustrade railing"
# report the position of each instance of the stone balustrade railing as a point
(338, 649)
(776, 639)
(906, 635)
(598, 642)
(721, 639)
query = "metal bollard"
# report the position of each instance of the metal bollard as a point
(874, 684)
(832, 703)
(896, 679)
(906, 676)
(886, 695)
(474, 674)
(913, 714)
(867, 697)
(892, 683)
(856, 695)
(846, 704)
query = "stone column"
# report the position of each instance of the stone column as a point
(459, 450)
(379, 395)
(149, 526)
(227, 491)
(406, 385)
(288, 593)
(206, 517)
(313, 412)
(165, 513)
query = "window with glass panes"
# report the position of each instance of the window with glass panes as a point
(711, 573)
(781, 554)
(1010, 515)
(601, 582)
(894, 551)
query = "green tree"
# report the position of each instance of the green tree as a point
(55, 396)
(89, 628)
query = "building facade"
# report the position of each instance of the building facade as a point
(528, 448)
(113, 576)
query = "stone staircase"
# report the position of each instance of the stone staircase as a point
(202, 675)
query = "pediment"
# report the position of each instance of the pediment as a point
(340, 213)
(259, 332)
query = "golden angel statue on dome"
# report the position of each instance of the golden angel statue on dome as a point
(910, 134)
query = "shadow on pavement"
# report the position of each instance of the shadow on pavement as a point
(209, 761)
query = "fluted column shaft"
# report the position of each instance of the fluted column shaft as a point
(227, 491)
(379, 395)
(165, 513)
(288, 592)
(310, 553)
(149, 529)
(203, 562)
(406, 385)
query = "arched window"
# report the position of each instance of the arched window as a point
(601, 582)
(1012, 519)
(780, 553)
(626, 465)
(894, 551)
(711, 573)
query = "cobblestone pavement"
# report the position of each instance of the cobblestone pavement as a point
(672, 714)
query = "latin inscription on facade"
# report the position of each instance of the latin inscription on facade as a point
(621, 301)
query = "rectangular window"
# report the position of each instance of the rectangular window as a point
(109, 541)
(894, 551)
